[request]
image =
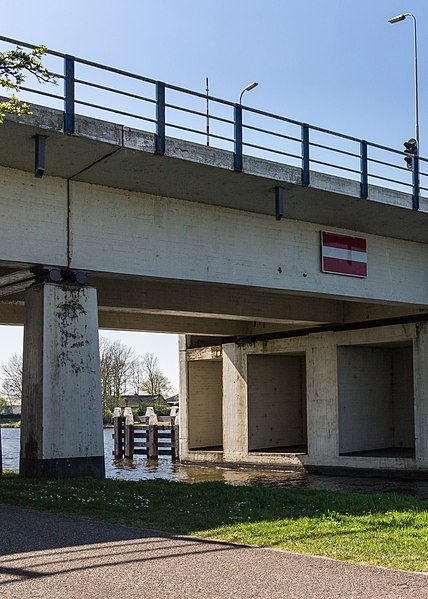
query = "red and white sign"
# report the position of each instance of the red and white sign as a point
(343, 254)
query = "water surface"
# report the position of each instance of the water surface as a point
(143, 469)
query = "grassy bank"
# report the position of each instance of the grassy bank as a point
(380, 529)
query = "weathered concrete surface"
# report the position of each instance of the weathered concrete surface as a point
(346, 402)
(49, 556)
(194, 172)
(61, 401)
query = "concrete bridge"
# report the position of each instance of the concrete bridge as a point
(283, 359)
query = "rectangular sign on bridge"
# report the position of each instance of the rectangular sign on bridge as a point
(343, 254)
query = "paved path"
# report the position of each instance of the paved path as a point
(54, 557)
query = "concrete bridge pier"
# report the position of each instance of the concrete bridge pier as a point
(62, 431)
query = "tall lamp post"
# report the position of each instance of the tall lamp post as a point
(247, 89)
(397, 19)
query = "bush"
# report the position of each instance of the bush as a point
(107, 416)
(160, 407)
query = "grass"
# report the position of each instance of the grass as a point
(380, 529)
(16, 424)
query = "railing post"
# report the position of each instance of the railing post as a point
(305, 155)
(238, 138)
(69, 108)
(1, 457)
(364, 187)
(160, 118)
(415, 198)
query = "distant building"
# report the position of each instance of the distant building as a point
(136, 400)
(173, 400)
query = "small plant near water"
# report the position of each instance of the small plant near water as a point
(381, 529)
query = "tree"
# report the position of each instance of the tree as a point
(117, 362)
(153, 380)
(15, 65)
(12, 379)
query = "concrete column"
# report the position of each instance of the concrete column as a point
(235, 408)
(184, 399)
(322, 395)
(62, 431)
(420, 373)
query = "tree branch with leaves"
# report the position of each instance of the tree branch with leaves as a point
(15, 66)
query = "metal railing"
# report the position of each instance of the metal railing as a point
(166, 109)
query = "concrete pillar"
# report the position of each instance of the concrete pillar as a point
(420, 373)
(235, 408)
(322, 395)
(183, 417)
(62, 430)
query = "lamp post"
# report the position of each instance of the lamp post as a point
(247, 89)
(397, 19)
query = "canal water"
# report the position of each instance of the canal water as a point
(142, 469)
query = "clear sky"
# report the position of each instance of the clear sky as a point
(334, 63)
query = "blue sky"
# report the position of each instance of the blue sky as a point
(334, 63)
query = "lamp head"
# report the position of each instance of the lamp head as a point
(397, 19)
(251, 86)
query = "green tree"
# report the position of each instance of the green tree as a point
(15, 66)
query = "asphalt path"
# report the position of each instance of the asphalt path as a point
(46, 556)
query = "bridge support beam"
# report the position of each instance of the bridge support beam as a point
(62, 434)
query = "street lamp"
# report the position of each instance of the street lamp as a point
(397, 19)
(247, 89)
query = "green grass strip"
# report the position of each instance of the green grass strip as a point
(381, 529)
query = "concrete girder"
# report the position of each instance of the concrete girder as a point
(194, 172)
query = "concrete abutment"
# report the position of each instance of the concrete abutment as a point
(335, 400)
(62, 430)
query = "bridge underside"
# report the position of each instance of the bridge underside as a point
(200, 309)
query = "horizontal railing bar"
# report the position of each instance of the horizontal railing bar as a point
(390, 180)
(389, 164)
(116, 111)
(267, 132)
(199, 94)
(14, 42)
(187, 110)
(198, 113)
(220, 119)
(337, 166)
(183, 128)
(114, 91)
(103, 67)
(386, 149)
(271, 150)
(331, 149)
(41, 93)
(215, 136)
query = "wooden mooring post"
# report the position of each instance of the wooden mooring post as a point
(129, 433)
(152, 436)
(118, 424)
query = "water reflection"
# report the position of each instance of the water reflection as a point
(143, 469)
